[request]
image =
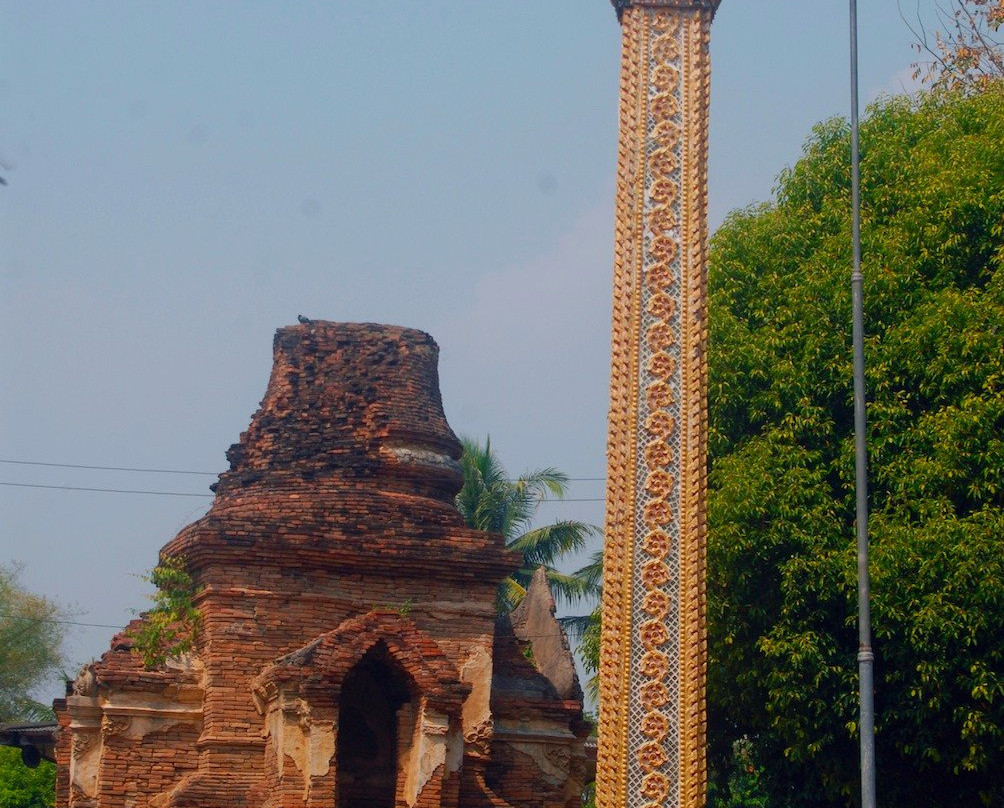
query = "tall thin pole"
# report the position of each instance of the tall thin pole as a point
(865, 656)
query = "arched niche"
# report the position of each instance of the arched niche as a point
(365, 716)
(377, 710)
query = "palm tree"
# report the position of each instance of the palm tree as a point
(491, 500)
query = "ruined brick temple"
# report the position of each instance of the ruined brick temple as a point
(349, 653)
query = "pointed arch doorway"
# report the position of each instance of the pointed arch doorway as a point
(375, 719)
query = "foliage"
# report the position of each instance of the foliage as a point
(969, 53)
(171, 627)
(782, 561)
(744, 780)
(31, 637)
(490, 500)
(589, 652)
(21, 787)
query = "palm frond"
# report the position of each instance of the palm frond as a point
(567, 589)
(593, 571)
(490, 501)
(544, 545)
(509, 595)
(575, 626)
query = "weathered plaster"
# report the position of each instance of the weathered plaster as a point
(428, 754)
(309, 744)
(550, 750)
(476, 669)
(85, 751)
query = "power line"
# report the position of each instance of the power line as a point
(106, 490)
(55, 620)
(104, 468)
(120, 627)
(187, 494)
(180, 471)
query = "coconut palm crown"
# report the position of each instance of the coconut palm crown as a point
(491, 500)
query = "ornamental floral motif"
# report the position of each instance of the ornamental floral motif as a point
(666, 75)
(662, 306)
(654, 695)
(662, 365)
(661, 337)
(659, 453)
(668, 130)
(655, 725)
(656, 604)
(655, 664)
(660, 395)
(657, 513)
(651, 756)
(653, 634)
(657, 543)
(113, 726)
(660, 483)
(665, 48)
(661, 423)
(663, 162)
(665, 106)
(662, 221)
(655, 786)
(663, 193)
(654, 573)
(661, 274)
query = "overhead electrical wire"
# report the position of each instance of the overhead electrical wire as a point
(190, 494)
(175, 471)
(11, 616)
(137, 469)
(105, 490)
(104, 468)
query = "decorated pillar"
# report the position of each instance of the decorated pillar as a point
(653, 659)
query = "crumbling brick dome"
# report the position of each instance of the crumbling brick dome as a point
(346, 650)
(352, 401)
(350, 444)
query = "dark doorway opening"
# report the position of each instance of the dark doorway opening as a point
(373, 693)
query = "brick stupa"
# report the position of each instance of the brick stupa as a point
(349, 653)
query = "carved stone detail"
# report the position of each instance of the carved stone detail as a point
(653, 660)
(82, 742)
(478, 739)
(113, 726)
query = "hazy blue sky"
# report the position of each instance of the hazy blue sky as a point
(186, 177)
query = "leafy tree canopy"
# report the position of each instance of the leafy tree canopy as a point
(21, 787)
(31, 638)
(782, 558)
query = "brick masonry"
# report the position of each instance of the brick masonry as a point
(349, 652)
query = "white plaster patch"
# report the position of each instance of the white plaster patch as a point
(322, 749)
(477, 671)
(428, 754)
(85, 760)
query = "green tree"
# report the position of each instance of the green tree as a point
(21, 787)
(491, 500)
(171, 627)
(782, 562)
(31, 638)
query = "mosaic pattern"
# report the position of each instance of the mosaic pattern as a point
(653, 650)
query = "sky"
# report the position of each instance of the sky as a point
(186, 177)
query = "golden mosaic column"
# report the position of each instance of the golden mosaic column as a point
(653, 658)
